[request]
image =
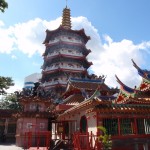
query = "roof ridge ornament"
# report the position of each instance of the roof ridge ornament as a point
(143, 73)
(126, 88)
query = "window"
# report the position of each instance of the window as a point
(29, 125)
(126, 126)
(19, 125)
(32, 106)
(42, 125)
(140, 126)
(111, 126)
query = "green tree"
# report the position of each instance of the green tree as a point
(5, 83)
(3, 5)
(10, 102)
(105, 138)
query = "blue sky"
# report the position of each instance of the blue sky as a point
(119, 31)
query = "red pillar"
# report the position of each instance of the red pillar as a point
(135, 126)
(119, 129)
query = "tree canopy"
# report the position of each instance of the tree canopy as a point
(5, 83)
(3, 5)
(10, 102)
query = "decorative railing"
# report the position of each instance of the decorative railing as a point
(66, 40)
(63, 53)
(64, 67)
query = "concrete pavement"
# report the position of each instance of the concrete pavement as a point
(10, 147)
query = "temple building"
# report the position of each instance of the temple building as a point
(125, 117)
(67, 108)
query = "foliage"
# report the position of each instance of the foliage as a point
(3, 5)
(5, 83)
(10, 102)
(105, 138)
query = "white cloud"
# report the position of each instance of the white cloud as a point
(1, 23)
(36, 64)
(14, 57)
(109, 58)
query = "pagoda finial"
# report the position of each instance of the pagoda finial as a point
(66, 21)
(66, 3)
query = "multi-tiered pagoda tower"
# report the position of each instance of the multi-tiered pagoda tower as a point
(64, 56)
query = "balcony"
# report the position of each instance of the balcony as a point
(65, 67)
(66, 39)
(67, 53)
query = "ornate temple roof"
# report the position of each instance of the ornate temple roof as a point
(106, 107)
(139, 95)
(79, 90)
(90, 84)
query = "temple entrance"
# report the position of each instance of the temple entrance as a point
(83, 124)
(7, 130)
(37, 139)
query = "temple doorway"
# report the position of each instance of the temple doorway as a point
(83, 124)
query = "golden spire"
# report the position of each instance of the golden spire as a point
(66, 21)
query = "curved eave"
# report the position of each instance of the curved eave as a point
(83, 106)
(143, 73)
(62, 69)
(55, 86)
(89, 64)
(79, 32)
(88, 51)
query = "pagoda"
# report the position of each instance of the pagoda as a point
(64, 57)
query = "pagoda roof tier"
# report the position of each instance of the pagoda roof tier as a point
(56, 47)
(62, 30)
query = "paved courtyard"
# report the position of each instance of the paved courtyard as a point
(14, 147)
(9, 147)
